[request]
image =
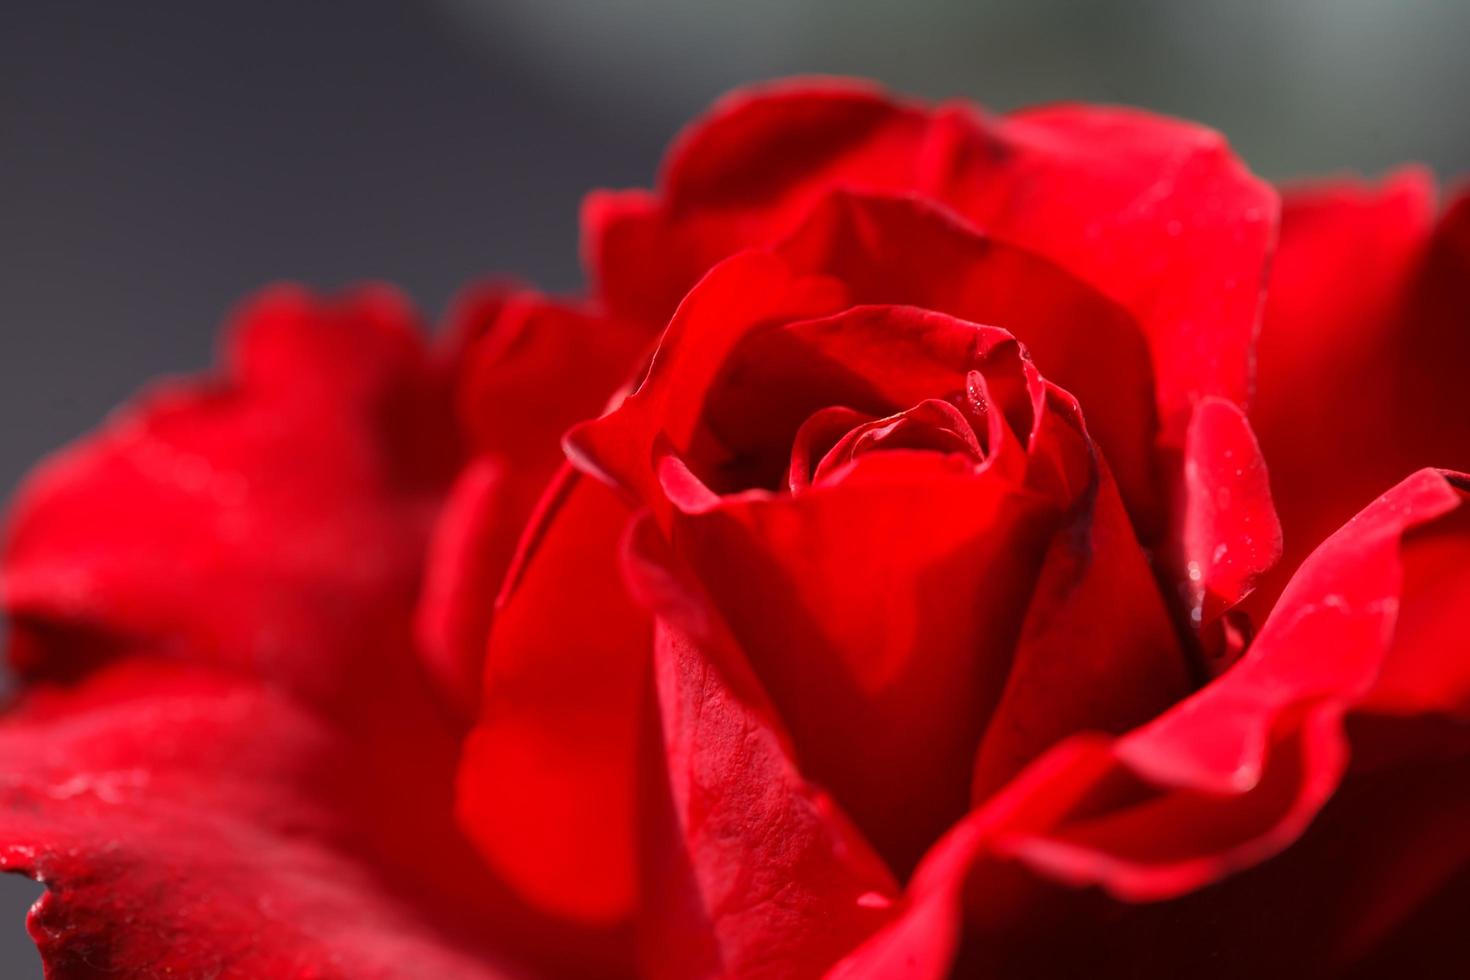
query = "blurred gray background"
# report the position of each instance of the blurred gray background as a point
(159, 160)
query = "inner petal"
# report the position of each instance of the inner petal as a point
(877, 363)
(931, 426)
(822, 430)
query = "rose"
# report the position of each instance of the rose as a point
(764, 616)
(226, 759)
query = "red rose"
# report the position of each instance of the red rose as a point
(893, 617)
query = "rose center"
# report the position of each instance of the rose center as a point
(833, 438)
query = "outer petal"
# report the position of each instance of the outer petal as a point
(903, 598)
(1097, 650)
(547, 783)
(537, 366)
(752, 870)
(1362, 352)
(530, 368)
(743, 176)
(1229, 532)
(279, 508)
(1155, 213)
(766, 874)
(1348, 695)
(189, 823)
(270, 524)
(472, 546)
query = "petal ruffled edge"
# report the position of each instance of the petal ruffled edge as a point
(1218, 784)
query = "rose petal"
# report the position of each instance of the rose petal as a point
(881, 360)
(473, 542)
(904, 595)
(536, 367)
(933, 425)
(268, 523)
(1237, 774)
(742, 176)
(1155, 213)
(547, 782)
(889, 676)
(860, 249)
(1097, 651)
(1284, 693)
(752, 869)
(191, 823)
(281, 507)
(905, 584)
(1230, 532)
(530, 368)
(1362, 351)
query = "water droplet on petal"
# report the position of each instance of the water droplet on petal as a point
(975, 390)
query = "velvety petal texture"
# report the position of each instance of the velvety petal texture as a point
(1363, 350)
(1229, 534)
(753, 870)
(897, 494)
(528, 368)
(1250, 802)
(547, 780)
(192, 823)
(878, 573)
(168, 529)
(228, 760)
(1154, 212)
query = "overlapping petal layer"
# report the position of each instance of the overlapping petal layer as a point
(529, 368)
(1362, 352)
(1282, 799)
(1155, 213)
(212, 599)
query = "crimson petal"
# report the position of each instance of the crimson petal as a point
(227, 574)
(247, 518)
(1358, 386)
(529, 368)
(547, 783)
(1155, 213)
(192, 823)
(752, 869)
(1212, 792)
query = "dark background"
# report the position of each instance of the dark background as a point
(159, 160)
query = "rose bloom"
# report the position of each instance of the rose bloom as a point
(939, 544)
